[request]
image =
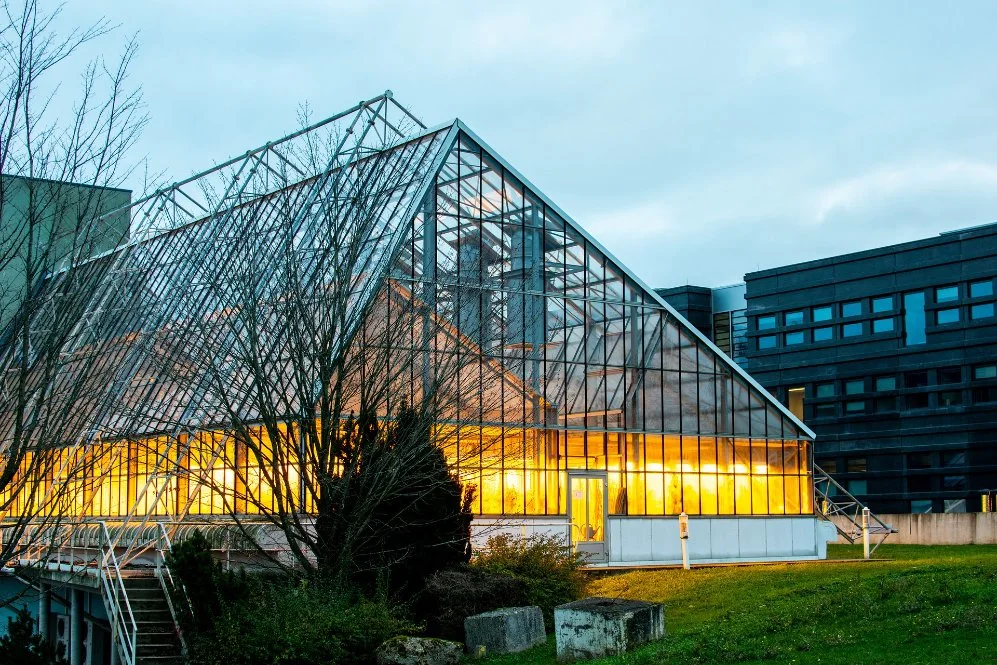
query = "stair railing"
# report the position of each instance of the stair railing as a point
(124, 628)
(170, 586)
(833, 500)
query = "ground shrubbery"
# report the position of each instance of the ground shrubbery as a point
(546, 565)
(235, 619)
(453, 595)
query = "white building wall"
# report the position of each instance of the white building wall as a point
(654, 540)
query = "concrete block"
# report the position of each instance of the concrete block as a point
(508, 630)
(597, 627)
(403, 650)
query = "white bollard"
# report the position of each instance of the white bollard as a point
(684, 537)
(865, 532)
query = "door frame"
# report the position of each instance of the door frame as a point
(597, 475)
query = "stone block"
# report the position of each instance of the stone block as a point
(508, 630)
(418, 651)
(597, 627)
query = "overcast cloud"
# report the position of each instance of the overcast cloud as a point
(697, 143)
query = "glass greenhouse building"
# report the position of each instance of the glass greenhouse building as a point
(585, 406)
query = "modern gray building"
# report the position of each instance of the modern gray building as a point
(43, 223)
(889, 355)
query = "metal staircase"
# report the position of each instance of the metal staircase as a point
(833, 500)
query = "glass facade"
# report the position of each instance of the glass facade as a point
(575, 366)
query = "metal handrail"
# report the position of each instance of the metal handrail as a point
(124, 628)
(829, 505)
(163, 572)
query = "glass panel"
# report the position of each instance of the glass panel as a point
(981, 289)
(823, 334)
(819, 314)
(946, 293)
(984, 311)
(882, 304)
(766, 322)
(882, 325)
(853, 308)
(794, 318)
(944, 316)
(587, 510)
(914, 319)
(851, 330)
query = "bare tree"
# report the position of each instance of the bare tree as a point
(328, 369)
(50, 228)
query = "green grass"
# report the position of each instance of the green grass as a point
(914, 605)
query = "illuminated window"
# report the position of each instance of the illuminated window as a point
(795, 399)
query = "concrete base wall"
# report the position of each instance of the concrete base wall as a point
(655, 540)
(939, 528)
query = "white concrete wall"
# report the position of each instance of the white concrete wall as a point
(938, 528)
(654, 540)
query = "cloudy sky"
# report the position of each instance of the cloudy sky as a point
(697, 143)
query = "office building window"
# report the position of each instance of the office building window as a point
(984, 311)
(954, 458)
(858, 487)
(824, 390)
(853, 308)
(795, 401)
(856, 465)
(882, 304)
(919, 483)
(953, 483)
(882, 325)
(851, 330)
(823, 334)
(828, 464)
(920, 506)
(766, 342)
(914, 319)
(950, 398)
(954, 505)
(766, 322)
(825, 410)
(949, 375)
(915, 379)
(855, 407)
(794, 338)
(818, 314)
(794, 318)
(885, 404)
(944, 316)
(984, 394)
(946, 293)
(985, 372)
(917, 401)
(854, 387)
(884, 383)
(981, 289)
(919, 461)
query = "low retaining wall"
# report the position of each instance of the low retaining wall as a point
(937, 528)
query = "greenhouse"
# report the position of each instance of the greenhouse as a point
(578, 402)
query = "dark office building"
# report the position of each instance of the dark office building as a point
(891, 356)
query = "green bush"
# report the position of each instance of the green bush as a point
(453, 595)
(278, 623)
(548, 567)
(202, 587)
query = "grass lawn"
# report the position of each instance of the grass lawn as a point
(917, 604)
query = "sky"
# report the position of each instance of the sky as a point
(696, 141)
